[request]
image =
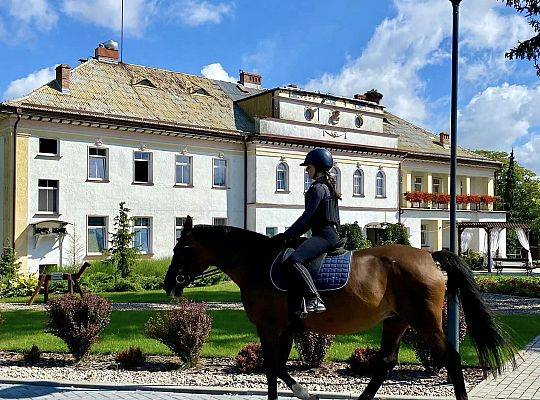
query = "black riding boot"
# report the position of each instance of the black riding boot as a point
(311, 301)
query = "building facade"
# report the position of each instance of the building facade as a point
(170, 144)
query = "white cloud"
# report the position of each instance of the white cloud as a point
(415, 38)
(108, 13)
(216, 71)
(39, 13)
(501, 117)
(23, 86)
(196, 12)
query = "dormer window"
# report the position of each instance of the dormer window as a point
(200, 91)
(146, 82)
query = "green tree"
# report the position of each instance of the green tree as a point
(122, 254)
(353, 234)
(9, 266)
(530, 48)
(395, 233)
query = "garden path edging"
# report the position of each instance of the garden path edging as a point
(210, 390)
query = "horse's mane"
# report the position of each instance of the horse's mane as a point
(231, 236)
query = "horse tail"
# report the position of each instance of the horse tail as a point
(493, 346)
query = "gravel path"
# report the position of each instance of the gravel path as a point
(405, 380)
(499, 304)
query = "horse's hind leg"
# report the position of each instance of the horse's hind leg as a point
(393, 329)
(270, 346)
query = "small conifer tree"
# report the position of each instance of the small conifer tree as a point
(121, 252)
(9, 266)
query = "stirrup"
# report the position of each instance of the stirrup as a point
(302, 312)
(315, 305)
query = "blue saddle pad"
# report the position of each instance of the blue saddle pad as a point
(332, 274)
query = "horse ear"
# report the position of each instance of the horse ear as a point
(188, 224)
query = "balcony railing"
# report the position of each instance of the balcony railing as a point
(441, 201)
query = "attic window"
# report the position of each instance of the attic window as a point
(242, 89)
(146, 82)
(200, 91)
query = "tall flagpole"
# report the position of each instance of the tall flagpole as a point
(453, 301)
(122, 35)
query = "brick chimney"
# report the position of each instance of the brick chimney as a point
(444, 139)
(104, 54)
(251, 80)
(359, 97)
(62, 77)
(373, 95)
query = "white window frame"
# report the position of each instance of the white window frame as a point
(55, 192)
(178, 163)
(105, 157)
(105, 236)
(358, 174)
(307, 180)
(150, 162)
(423, 236)
(214, 173)
(178, 227)
(383, 188)
(438, 185)
(150, 233)
(285, 171)
(219, 218)
(418, 183)
(57, 154)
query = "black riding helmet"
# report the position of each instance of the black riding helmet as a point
(320, 158)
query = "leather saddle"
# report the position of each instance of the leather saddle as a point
(330, 271)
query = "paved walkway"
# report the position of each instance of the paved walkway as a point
(523, 383)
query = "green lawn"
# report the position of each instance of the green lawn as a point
(222, 292)
(230, 332)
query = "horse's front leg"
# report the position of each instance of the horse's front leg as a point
(270, 346)
(285, 346)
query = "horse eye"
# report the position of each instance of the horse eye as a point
(188, 246)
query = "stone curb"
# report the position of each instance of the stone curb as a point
(210, 390)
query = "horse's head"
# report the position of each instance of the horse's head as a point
(186, 263)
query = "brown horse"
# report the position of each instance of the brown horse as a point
(399, 285)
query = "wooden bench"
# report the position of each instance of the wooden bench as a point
(516, 263)
(45, 279)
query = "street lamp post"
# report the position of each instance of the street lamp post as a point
(453, 302)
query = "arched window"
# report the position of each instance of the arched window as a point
(380, 185)
(307, 181)
(282, 177)
(334, 173)
(358, 183)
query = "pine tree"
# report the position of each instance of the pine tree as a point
(9, 266)
(122, 253)
(510, 184)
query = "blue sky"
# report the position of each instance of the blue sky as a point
(400, 47)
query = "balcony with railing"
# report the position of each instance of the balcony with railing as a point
(441, 201)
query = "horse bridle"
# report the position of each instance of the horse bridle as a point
(183, 279)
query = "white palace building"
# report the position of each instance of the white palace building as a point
(170, 144)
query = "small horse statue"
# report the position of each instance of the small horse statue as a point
(398, 285)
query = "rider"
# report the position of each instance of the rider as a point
(321, 215)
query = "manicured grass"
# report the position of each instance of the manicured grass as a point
(230, 332)
(225, 292)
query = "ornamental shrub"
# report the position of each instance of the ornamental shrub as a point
(250, 359)
(9, 267)
(362, 361)
(121, 252)
(312, 347)
(78, 321)
(131, 358)
(32, 355)
(515, 286)
(474, 260)
(183, 329)
(352, 233)
(395, 233)
(18, 286)
(421, 348)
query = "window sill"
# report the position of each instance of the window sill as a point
(95, 256)
(283, 191)
(142, 183)
(97, 180)
(45, 156)
(178, 185)
(380, 197)
(220, 187)
(359, 195)
(43, 214)
(146, 255)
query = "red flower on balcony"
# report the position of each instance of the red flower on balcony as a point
(461, 199)
(473, 199)
(414, 197)
(441, 198)
(487, 199)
